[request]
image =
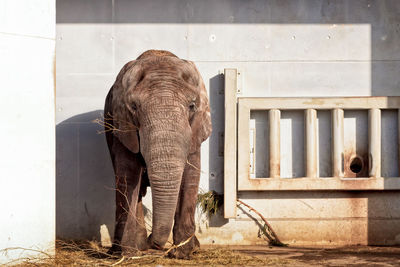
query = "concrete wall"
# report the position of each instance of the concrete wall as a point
(27, 135)
(283, 48)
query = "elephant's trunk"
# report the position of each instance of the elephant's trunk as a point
(164, 145)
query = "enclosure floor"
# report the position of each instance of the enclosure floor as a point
(92, 254)
(323, 256)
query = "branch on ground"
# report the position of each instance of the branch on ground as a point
(267, 228)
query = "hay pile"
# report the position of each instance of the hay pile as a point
(84, 253)
(91, 254)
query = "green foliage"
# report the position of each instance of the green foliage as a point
(210, 202)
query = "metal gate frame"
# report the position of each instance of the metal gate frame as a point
(237, 139)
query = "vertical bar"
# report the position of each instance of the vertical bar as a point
(252, 143)
(374, 128)
(243, 146)
(398, 136)
(230, 143)
(337, 143)
(274, 143)
(311, 143)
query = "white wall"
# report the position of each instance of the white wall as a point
(283, 48)
(27, 136)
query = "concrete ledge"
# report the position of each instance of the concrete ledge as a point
(287, 103)
(305, 183)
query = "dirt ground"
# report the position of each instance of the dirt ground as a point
(91, 254)
(339, 256)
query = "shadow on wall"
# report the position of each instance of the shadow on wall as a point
(216, 140)
(85, 179)
(216, 143)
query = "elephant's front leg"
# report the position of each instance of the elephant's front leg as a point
(130, 232)
(184, 226)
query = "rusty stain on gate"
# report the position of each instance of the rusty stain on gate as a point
(352, 168)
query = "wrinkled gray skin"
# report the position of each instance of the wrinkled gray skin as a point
(159, 114)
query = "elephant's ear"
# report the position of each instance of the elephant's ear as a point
(125, 129)
(201, 121)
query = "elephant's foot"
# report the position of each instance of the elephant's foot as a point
(141, 240)
(151, 244)
(115, 250)
(185, 251)
(118, 250)
(134, 250)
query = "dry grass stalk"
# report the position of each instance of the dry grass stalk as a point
(195, 167)
(106, 123)
(179, 245)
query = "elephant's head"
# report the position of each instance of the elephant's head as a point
(160, 109)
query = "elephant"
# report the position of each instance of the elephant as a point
(156, 116)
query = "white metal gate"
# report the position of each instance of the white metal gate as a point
(349, 171)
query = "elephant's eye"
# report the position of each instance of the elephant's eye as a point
(192, 106)
(134, 107)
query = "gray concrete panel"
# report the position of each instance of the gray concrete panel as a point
(385, 78)
(319, 79)
(84, 49)
(84, 11)
(133, 39)
(283, 48)
(324, 143)
(389, 149)
(280, 42)
(94, 85)
(67, 108)
(81, 93)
